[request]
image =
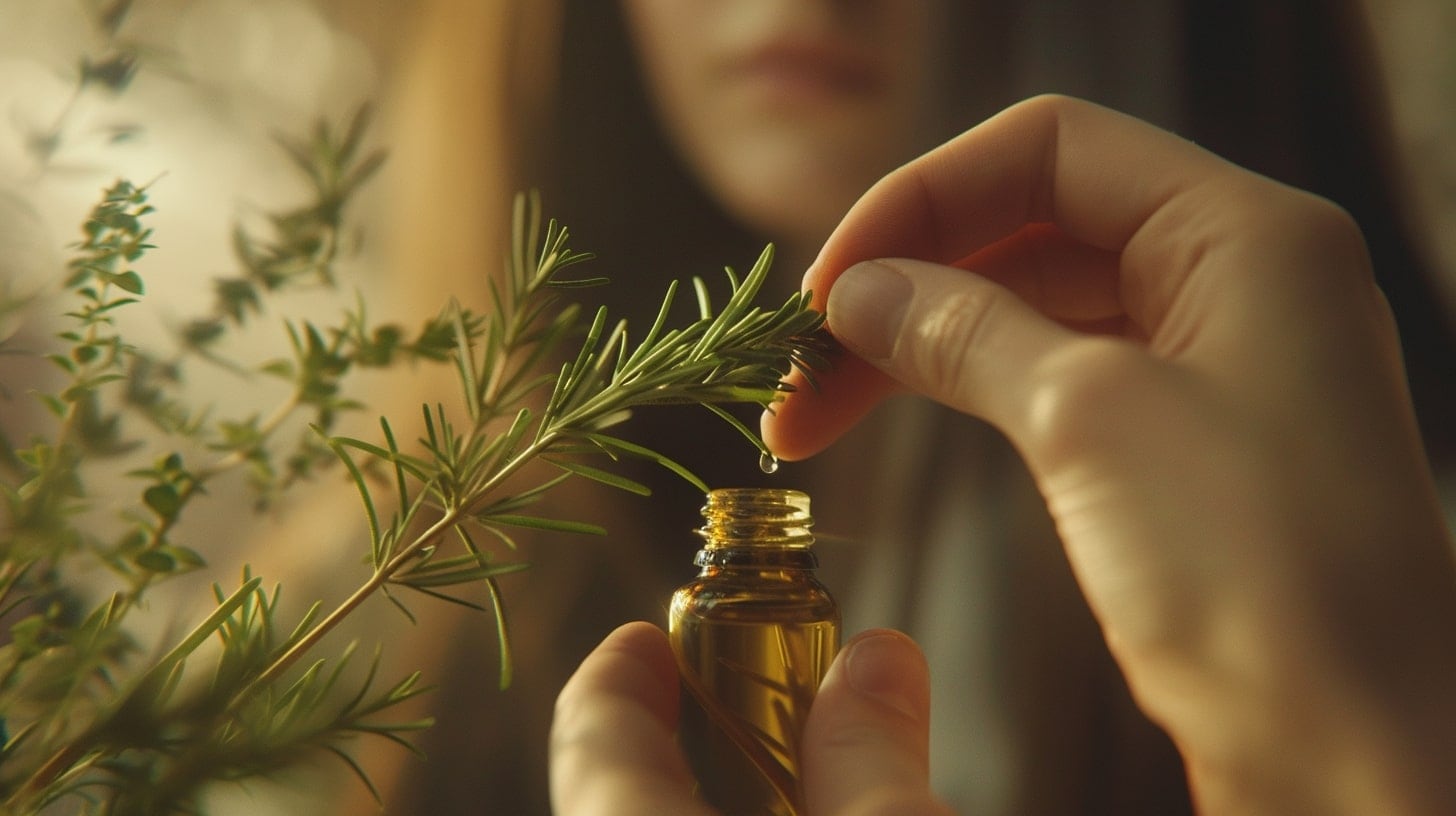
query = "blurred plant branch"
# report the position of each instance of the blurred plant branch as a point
(81, 715)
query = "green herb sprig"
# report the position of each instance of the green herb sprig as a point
(81, 720)
(737, 355)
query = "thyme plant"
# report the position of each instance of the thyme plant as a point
(86, 720)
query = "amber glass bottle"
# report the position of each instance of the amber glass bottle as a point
(754, 634)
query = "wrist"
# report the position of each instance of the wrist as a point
(1321, 753)
(1316, 719)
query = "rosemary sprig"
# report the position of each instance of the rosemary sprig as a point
(737, 355)
(147, 741)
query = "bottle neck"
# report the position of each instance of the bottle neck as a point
(755, 558)
(756, 528)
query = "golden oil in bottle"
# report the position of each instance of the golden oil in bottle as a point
(754, 635)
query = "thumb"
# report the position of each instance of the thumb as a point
(949, 334)
(866, 745)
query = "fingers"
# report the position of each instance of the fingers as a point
(954, 337)
(1097, 175)
(1068, 281)
(818, 414)
(613, 745)
(865, 750)
(1063, 278)
(866, 745)
(1132, 211)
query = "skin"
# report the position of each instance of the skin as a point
(788, 111)
(614, 747)
(1205, 382)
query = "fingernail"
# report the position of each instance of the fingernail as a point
(888, 668)
(866, 307)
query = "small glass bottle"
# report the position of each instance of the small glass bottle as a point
(753, 634)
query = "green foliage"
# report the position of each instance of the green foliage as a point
(93, 720)
(545, 388)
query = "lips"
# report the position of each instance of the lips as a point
(803, 70)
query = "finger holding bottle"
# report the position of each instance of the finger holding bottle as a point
(614, 743)
(866, 747)
(865, 752)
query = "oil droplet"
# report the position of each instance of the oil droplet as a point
(768, 463)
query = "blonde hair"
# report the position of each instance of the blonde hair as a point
(471, 83)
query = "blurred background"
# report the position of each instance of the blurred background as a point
(479, 98)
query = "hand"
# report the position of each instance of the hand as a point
(1200, 373)
(865, 750)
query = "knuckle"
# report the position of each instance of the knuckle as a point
(1311, 255)
(1324, 222)
(1318, 228)
(1080, 394)
(1049, 104)
(1308, 237)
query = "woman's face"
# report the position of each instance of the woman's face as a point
(788, 110)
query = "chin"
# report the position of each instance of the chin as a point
(783, 213)
(791, 195)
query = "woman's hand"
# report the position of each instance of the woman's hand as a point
(614, 748)
(1206, 384)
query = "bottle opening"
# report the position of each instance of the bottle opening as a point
(756, 517)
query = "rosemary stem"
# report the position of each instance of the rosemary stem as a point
(447, 521)
(342, 611)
